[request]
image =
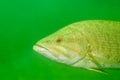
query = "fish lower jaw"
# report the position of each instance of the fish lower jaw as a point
(43, 51)
(59, 58)
(48, 54)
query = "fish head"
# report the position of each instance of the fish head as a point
(65, 46)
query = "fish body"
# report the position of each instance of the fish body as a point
(91, 44)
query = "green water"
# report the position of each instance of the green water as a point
(23, 22)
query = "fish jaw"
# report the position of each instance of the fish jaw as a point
(59, 58)
(44, 51)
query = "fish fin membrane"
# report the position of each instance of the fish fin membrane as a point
(98, 70)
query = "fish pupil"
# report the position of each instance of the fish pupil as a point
(59, 40)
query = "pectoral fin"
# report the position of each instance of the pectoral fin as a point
(98, 70)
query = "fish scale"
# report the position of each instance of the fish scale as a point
(105, 40)
(90, 44)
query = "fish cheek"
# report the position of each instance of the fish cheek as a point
(83, 46)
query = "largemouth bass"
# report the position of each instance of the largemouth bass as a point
(91, 44)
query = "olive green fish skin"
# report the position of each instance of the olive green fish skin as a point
(88, 44)
(104, 40)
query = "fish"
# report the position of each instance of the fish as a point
(89, 44)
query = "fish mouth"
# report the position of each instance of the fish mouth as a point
(44, 51)
(59, 58)
(47, 53)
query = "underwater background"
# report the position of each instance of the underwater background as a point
(24, 22)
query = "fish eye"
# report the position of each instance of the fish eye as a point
(59, 40)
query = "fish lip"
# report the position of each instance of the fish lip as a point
(40, 46)
(44, 51)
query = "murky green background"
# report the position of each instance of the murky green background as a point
(23, 22)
